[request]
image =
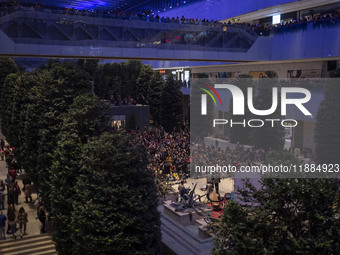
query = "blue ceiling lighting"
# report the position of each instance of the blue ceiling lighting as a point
(119, 5)
(81, 4)
(78, 4)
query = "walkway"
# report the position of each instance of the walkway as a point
(33, 242)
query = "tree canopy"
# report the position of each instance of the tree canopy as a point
(172, 105)
(327, 135)
(283, 216)
(58, 130)
(115, 209)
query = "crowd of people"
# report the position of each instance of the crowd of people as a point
(114, 14)
(145, 15)
(168, 152)
(11, 186)
(150, 16)
(212, 155)
(118, 101)
(169, 155)
(287, 26)
(168, 159)
(325, 19)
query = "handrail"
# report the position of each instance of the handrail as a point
(70, 14)
(197, 36)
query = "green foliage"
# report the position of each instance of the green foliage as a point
(131, 79)
(85, 119)
(51, 126)
(267, 136)
(143, 84)
(238, 133)
(327, 136)
(63, 83)
(64, 170)
(9, 101)
(124, 80)
(89, 65)
(33, 121)
(284, 216)
(154, 96)
(172, 105)
(115, 210)
(130, 73)
(19, 122)
(108, 80)
(7, 66)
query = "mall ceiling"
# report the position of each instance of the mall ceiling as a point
(121, 5)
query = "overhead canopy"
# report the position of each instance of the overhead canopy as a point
(119, 5)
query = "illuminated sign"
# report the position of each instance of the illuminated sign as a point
(276, 19)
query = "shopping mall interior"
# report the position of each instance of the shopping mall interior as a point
(189, 127)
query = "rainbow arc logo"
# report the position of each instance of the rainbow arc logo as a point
(211, 95)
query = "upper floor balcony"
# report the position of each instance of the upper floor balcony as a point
(54, 33)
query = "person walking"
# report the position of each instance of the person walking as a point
(13, 174)
(14, 165)
(27, 188)
(216, 180)
(6, 153)
(10, 194)
(181, 190)
(2, 195)
(2, 200)
(17, 192)
(2, 144)
(42, 218)
(37, 204)
(2, 186)
(3, 220)
(10, 208)
(8, 181)
(8, 159)
(28, 192)
(12, 222)
(22, 220)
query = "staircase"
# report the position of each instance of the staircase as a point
(29, 245)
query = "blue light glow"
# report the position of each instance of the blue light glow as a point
(109, 4)
(79, 5)
(76, 4)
